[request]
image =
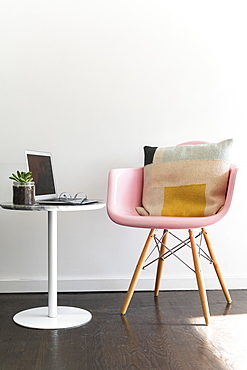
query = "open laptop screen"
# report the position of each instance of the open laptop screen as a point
(40, 164)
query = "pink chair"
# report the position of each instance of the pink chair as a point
(125, 193)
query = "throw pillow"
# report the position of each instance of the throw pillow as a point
(185, 180)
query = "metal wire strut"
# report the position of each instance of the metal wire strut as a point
(175, 249)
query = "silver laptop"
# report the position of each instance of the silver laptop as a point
(41, 166)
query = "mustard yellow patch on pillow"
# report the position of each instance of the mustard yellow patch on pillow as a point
(184, 201)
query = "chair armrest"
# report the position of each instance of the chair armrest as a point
(124, 191)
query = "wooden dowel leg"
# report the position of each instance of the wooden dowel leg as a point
(217, 267)
(160, 264)
(137, 272)
(199, 278)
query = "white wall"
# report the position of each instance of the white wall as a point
(95, 81)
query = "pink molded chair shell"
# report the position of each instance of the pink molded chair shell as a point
(125, 194)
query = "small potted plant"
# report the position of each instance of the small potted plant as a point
(23, 188)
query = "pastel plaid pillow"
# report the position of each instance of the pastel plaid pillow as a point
(186, 180)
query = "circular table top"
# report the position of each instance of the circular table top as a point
(50, 207)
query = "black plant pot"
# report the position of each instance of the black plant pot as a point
(23, 193)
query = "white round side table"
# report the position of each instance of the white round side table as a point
(52, 316)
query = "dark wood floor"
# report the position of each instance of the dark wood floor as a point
(163, 333)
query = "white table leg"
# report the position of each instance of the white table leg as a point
(52, 317)
(52, 263)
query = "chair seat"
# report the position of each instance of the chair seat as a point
(121, 203)
(132, 219)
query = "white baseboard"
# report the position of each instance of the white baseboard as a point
(114, 285)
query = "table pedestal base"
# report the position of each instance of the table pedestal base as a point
(67, 317)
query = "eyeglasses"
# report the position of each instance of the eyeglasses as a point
(78, 198)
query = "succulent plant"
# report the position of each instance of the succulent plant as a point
(23, 177)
